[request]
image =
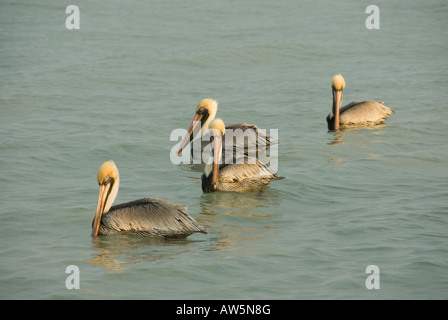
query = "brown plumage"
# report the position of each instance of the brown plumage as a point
(244, 177)
(248, 139)
(146, 217)
(358, 113)
(151, 218)
(245, 174)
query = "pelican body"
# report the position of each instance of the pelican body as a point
(146, 217)
(356, 113)
(252, 137)
(247, 174)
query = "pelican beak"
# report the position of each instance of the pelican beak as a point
(104, 193)
(196, 120)
(216, 153)
(337, 100)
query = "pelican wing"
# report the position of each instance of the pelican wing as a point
(244, 140)
(150, 217)
(248, 136)
(250, 169)
(245, 177)
(364, 112)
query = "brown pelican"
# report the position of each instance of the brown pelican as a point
(146, 217)
(355, 113)
(243, 176)
(206, 112)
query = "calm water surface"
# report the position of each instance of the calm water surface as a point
(116, 88)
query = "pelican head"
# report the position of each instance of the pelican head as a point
(337, 85)
(205, 113)
(109, 181)
(338, 82)
(218, 127)
(208, 108)
(218, 130)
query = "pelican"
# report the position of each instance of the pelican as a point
(240, 177)
(355, 113)
(206, 112)
(146, 217)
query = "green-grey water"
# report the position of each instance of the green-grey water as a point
(135, 70)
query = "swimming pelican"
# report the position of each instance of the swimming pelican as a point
(243, 176)
(146, 217)
(355, 113)
(206, 112)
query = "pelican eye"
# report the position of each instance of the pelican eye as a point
(106, 180)
(201, 110)
(333, 87)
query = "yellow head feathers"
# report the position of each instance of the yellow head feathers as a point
(218, 124)
(338, 82)
(209, 104)
(107, 169)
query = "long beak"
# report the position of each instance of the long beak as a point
(216, 156)
(337, 99)
(196, 120)
(104, 191)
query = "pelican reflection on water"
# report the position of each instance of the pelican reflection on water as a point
(243, 175)
(252, 138)
(146, 217)
(355, 113)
